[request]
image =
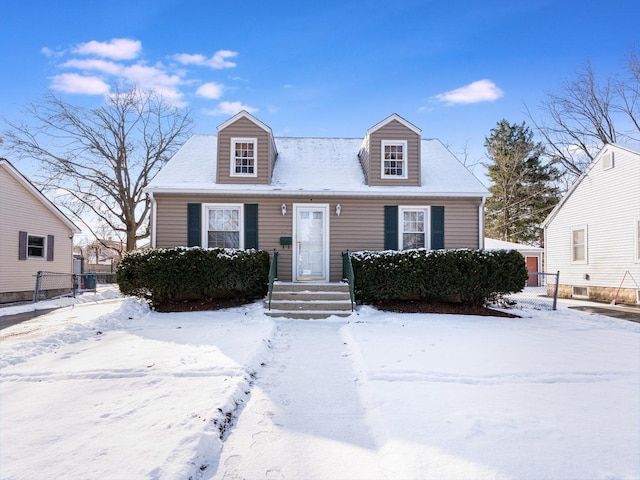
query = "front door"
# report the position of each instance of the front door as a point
(311, 243)
(532, 266)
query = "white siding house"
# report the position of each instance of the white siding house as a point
(593, 235)
(34, 236)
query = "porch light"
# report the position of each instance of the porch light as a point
(283, 207)
(338, 209)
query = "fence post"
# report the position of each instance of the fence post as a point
(555, 293)
(36, 290)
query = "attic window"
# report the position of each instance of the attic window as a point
(244, 157)
(608, 161)
(394, 159)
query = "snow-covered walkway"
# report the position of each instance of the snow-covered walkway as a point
(304, 418)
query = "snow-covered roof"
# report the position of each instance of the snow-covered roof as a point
(322, 166)
(494, 244)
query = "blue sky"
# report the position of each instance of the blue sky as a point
(332, 68)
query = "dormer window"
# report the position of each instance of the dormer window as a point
(394, 159)
(244, 157)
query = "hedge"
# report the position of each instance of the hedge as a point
(173, 275)
(469, 277)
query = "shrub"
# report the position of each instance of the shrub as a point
(470, 277)
(173, 275)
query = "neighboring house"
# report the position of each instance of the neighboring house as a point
(532, 257)
(593, 235)
(314, 198)
(34, 236)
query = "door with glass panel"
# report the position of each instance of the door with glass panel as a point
(311, 243)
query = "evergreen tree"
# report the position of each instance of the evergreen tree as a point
(524, 189)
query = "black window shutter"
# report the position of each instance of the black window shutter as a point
(437, 228)
(251, 225)
(50, 248)
(391, 227)
(22, 245)
(194, 219)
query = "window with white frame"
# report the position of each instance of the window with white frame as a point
(414, 227)
(394, 159)
(244, 157)
(637, 242)
(579, 245)
(36, 246)
(224, 226)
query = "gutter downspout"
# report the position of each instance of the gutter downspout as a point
(153, 219)
(481, 223)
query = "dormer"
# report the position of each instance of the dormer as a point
(246, 150)
(390, 153)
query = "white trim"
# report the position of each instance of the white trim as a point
(427, 223)
(154, 219)
(391, 142)
(608, 160)
(13, 171)
(326, 236)
(45, 246)
(636, 240)
(586, 245)
(205, 221)
(233, 158)
(248, 116)
(481, 223)
(272, 190)
(398, 118)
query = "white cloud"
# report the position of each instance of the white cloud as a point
(105, 66)
(230, 108)
(117, 48)
(74, 83)
(479, 91)
(218, 60)
(210, 90)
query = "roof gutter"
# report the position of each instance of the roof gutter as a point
(317, 193)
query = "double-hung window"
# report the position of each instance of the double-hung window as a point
(637, 240)
(244, 157)
(36, 246)
(394, 159)
(414, 227)
(579, 244)
(224, 225)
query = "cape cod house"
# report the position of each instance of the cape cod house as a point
(314, 198)
(593, 235)
(34, 236)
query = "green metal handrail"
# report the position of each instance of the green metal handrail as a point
(347, 274)
(273, 273)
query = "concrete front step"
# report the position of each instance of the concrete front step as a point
(309, 300)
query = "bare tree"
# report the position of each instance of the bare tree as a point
(586, 113)
(101, 159)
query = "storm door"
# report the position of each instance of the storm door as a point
(311, 243)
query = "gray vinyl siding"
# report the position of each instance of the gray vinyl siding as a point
(394, 130)
(359, 227)
(20, 210)
(244, 128)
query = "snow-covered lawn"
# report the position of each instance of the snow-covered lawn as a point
(105, 389)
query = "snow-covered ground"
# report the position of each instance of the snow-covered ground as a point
(103, 388)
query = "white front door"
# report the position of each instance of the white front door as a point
(311, 243)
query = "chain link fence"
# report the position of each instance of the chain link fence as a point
(51, 285)
(540, 293)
